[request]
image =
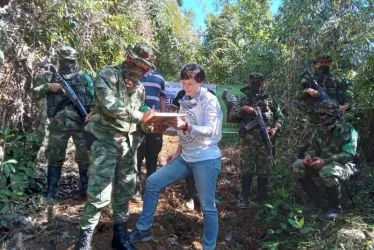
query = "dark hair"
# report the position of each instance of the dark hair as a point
(193, 71)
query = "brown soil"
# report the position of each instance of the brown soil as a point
(175, 227)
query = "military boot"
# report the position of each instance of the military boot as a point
(83, 174)
(313, 193)
(84, 241)
(335, 208)
(121, 238)
(262, 188)
(246, 189)
(54, 173)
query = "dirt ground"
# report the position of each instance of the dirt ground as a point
(175, 227)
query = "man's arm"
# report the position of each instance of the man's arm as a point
(110, 102)
(348, 150)
(162, 103)
(277, 115)
(237, 112)
(41, 88)
(304, 91)
(347, 100)
(163, 97)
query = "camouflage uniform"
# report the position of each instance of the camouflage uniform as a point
(334, 141)
(65, 121)
(336, 90)
(255, 158)
(114, 122)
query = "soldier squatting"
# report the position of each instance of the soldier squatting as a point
(107, 139)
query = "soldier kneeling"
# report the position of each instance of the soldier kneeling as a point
(330, 157)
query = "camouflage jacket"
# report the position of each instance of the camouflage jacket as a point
(337, 145)
(67, 118)
(336, 89)
(116, 108)
(271, 112)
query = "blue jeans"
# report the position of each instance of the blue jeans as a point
(205, 174)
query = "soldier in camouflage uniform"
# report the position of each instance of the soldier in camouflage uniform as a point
(114, 122)
(330, 157)
(254, 156)
(314, 89)
(65, 121)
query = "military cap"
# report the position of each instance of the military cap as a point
(141, 55)
(67, 53)
(256, 76)
(324, 57)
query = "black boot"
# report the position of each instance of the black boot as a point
(246, 189)
(121, 238)
(83, 174)
(84, 241)
(313, 193)
(54, 173)
(262, 189)
(335, 208)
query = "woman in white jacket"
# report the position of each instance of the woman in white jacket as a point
(197, 154)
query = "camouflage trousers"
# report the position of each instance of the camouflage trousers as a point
(112, 175)
(305, 138)
(254, 157)
(330, 174)
(58, 142)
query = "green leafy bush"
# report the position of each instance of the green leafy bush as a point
(17, 171)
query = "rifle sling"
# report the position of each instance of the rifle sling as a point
(62, 104)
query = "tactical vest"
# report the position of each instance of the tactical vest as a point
(264, 102)
(334, 88)
(57, 101)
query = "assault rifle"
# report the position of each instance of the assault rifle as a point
(259, 120)
(321, 90)
(263, 132)
(66, 87)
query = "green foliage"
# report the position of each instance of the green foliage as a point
(17, 171)
(176, 41)
(285, 220)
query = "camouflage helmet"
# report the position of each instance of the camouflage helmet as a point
(141, 55)
(324, 57)
(67, 53)
(328, 107)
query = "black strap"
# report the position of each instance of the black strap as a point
(62, 104)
